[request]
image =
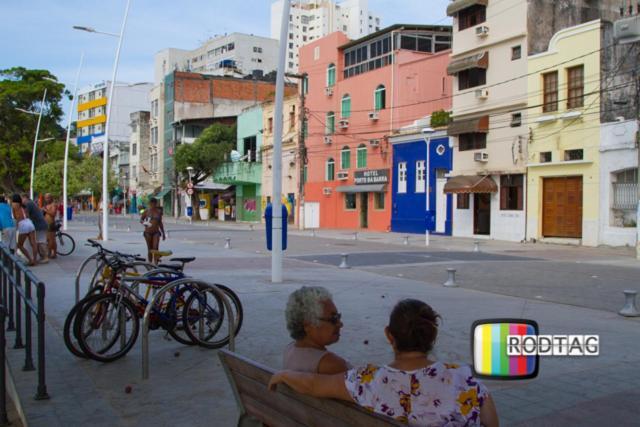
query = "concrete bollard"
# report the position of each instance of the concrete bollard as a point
(343, 262)
(406, 240)
(451, 278)
(128, 228)
(251, 227)
(166, 233)
(355, 236)
(313, 232)
(227, 243)
(476, 246)
(629, 309)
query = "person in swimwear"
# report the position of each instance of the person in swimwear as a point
(153, 228)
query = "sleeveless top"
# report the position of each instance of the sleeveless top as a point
(302, 359)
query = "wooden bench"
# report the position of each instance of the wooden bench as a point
(285, 407)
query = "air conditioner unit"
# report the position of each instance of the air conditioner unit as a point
(342, 175)
(373, 116)
(343, 124)
(326, 191)
(328, 90)
(374, 142)
(482, 31)
(481, 156)
(327, 140)
(482, 93)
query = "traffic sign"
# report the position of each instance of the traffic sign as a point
(189, 184)
(190, 191)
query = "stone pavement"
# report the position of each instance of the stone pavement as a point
(187, 386)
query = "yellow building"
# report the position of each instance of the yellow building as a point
(563, 150)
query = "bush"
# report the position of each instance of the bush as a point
(440, 118)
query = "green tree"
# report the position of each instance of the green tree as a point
(23, 88)
(440, 118)
(90, 174)
(205, 155)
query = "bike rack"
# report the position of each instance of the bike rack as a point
(160, 293)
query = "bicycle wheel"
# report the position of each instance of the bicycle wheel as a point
(70, 339)
(107, 327)
(66, 244)
(177, 303)
(203, 316)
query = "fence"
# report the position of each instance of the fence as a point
(625, 195)
(16, 283)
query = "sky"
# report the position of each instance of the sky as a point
(38, 34)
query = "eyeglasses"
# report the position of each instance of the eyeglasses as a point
(334, 319)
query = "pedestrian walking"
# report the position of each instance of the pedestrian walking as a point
(35, 215)
(153, 228)
(26, 229)
(7, 225)
(50, 213)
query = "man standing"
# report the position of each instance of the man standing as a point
(7, 225)
(50, 212)
(35, 215)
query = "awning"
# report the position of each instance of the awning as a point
(470, 184)
(369, 188)
(480, 60)
(478, 125)
(160, 195)
(212, 186)
(457, 5)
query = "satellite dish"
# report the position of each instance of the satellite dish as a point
(235, 156)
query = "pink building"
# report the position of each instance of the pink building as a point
(361, 92)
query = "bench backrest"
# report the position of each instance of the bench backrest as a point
(285, 407)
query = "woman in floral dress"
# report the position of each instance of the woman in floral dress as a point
(412, 388)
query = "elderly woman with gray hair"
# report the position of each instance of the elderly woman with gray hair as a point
(314, 323)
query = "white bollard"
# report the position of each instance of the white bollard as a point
(128, 228)
(343, 263)
(406, 240)
(251, 227)
(451, 278)
(355, 236)
(629, 309)
(227, 243)
(476, 246)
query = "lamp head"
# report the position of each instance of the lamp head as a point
(427, 131)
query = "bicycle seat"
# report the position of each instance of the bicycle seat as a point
(171, 266)
(184, 260)
(160, 253)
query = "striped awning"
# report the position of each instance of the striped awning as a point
(477, 125)
(470, 184)
(457, 5)
(480, 60)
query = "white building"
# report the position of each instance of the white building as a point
(312, 19)
(236, 54)
(140, 175)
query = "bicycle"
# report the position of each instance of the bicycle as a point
(65, 243)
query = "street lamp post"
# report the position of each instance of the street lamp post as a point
(66, 147)
(426, 134)
(105, 149)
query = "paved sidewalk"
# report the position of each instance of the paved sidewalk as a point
(187, 386)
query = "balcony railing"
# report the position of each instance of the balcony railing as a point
(625, 195)
(239, 173)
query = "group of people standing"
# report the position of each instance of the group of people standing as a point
(23, 221)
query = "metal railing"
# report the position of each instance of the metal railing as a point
(625, 195)
(16, 283)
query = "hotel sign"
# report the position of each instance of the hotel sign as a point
(375, 176)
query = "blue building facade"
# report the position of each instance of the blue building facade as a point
(408, 200)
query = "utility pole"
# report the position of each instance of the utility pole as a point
(302, 151)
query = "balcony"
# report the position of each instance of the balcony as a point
(234, 173)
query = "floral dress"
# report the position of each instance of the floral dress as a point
(441, 394)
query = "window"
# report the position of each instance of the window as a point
(550, 83)
(420, 176)
(361, 161)
(402, 177)
(573, 155)
(472, 141)
(331, 123)
(545, 157)
(305, 85)
(462, 201)
(575, 79)
(346, 107)
(257, 49)
(331, 75)
(516, 120)
(134, 149)
(379, 98)
(349, 201)
(154, 108)
(345, 158)
(516, 52)
(290, 64)
(511, 192)
(316, 53)
(378, 201)
(270, 124)
(471, 16)
(471, 78)
(625, 195)
(134, 172)
(154, 163)
(330, 170)
(292, 118)
(304, 174)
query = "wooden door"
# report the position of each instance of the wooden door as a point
(562, 207)
(482, 213)
(364, 210)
